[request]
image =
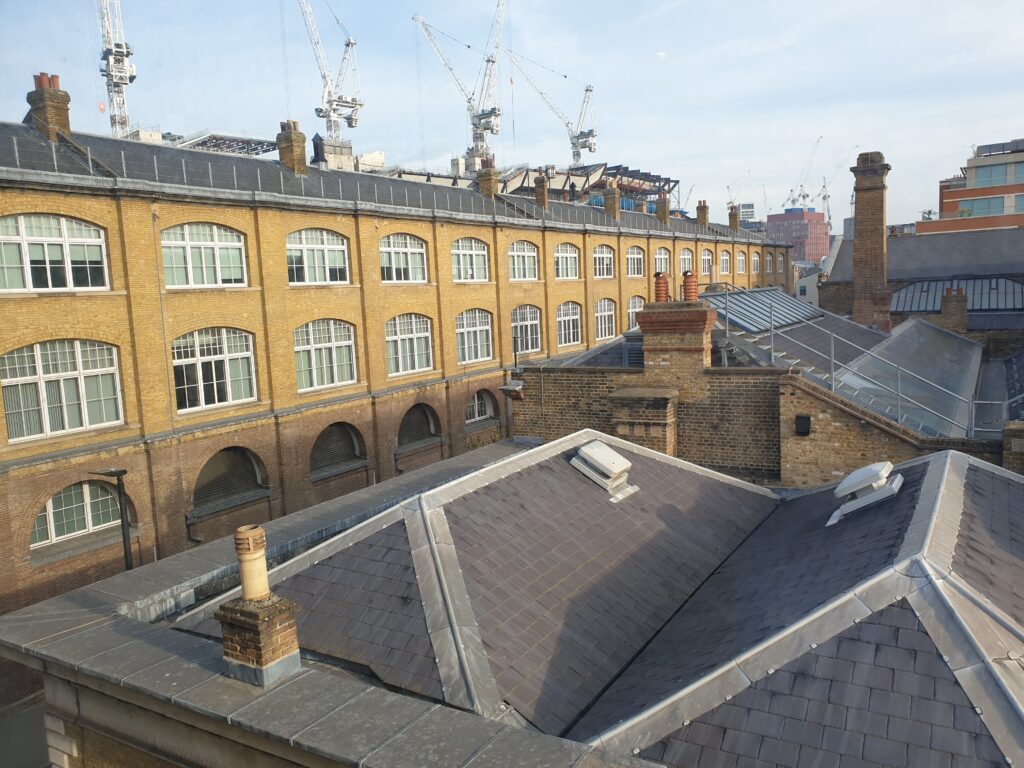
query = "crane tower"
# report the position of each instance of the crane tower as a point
(334, 106)
(115, 69)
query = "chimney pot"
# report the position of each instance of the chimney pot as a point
(690, 292)
(251, 548)
(660, 287)
(55, 82)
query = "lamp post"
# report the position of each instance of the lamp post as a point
(122, 505)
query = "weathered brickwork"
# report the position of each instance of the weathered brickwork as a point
(646, 416)
(871, 294)
(259, 632)
(1013, 446)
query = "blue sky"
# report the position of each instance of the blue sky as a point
(714, 94)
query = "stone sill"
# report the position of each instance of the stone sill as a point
(482, 425)
(207, 511)
(80, 545)
(337, 470)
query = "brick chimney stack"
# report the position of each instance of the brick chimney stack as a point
(871, 295)
(702, 213)
(611, 201)
(662, 208)
(677, 345)
(734, 217)
(291, 147)
(540, 190)
(49, 106)
(952, 311)
(261, 644)
(487, 182)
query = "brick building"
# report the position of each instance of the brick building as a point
(247, 338)
(805, 228)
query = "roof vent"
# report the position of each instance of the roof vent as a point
(865, 486)
(605, 467)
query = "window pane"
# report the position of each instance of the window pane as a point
(22, 409)
(69, 511)
(12, 275)
(102, 505)
(72, 403)
(40, 529)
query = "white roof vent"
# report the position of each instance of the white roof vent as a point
(605, 467)
(865, 486)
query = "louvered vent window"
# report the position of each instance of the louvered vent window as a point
(339, 448)
(229, 479)
(418, 425)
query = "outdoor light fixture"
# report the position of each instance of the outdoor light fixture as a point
(123, 507)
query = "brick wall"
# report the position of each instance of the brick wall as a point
(871, 295)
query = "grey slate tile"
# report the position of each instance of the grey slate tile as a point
(779, 752)
(885, 751)
(817, 758)
(440, 738)
(842, 741)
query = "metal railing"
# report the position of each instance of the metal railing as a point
(902, 400)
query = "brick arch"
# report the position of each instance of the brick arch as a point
(332, 230)
(432, 415)
(523, 240)
(60, 212)
(326, 417)
(28, 338)
(398, 230)
(241, 222)
(316, 314)
(472, 392)
(191, 477)
(217, 321)
(39, 499)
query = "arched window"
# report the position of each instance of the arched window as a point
(780, 262)
(317, 256)
(705, 262)
(661, 260)
(339, 448)
(522, 261)
(634, 261)
(481, 406)
(469, 260)
(635, 305)
(604, 261)
(408, 343)
(403, 259)
(723, 263)
(741, 262)
(605, 316)
(755, 263)
(202, 254)
(567, 262)
(568, 319)
(473, 335)
(685, 261)
(419, 425)
(526, 328)
(230, 478)
(59, 386)
(78, 509)
(212, 366)
(325, 354)
(767, 263)
(51, 253)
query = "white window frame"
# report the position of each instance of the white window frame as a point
(662, 260)
(604, 262)
(755, 263)
(568, 321)
(403, 259)
(741, 262)
(634, 261)
(196, 252)
(90, 495)
(522, 261)
(706, 261)
(526, 326)
(473, 341)
(636, 304)
(315, 258)
(685, 261)
(15, 259)
(27, 363)
(724, 263)
(480, 407)
(767, 263)
(318, 345)
(233, 346)
(405, 346)
(604, 319)
(470, 262)
(567, 262)
(780, 263)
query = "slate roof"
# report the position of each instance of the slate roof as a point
(944, 255)
(984, 294)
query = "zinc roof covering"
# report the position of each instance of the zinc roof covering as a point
(983, 294)
(755, 310)
(944, 255)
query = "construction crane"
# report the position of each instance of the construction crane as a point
(682, 205)
(334, 106)
(116, 69)
(482, 102)
(579, 138)
(798, 195)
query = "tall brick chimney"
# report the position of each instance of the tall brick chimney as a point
(540, 190)
(702, 213)
(611, 201)
(49, 106)
(871, 295)
(662, 208)
(952, 311)
(677, 345)
(487, 182)
(734, 218)
(261, 644)
(291, 146)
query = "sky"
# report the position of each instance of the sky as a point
(728, 98)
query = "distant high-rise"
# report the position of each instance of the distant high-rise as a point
(747, 212)
(805, 228)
